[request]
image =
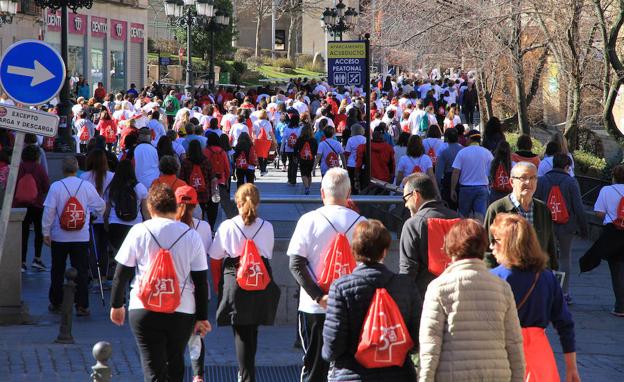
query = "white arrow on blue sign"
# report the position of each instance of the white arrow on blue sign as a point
(31, 72)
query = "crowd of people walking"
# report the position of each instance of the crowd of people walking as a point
(485, 254)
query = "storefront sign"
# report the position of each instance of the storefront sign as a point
(118, 29)
(77, 24)
(137, 32)
(53, 21)
(98, 26)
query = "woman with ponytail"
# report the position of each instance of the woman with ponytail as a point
(244, 309)
(186, 199)
(98, 175)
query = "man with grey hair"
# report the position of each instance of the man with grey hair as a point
(523, 181)
(313, 235)
(146, 159)
(428, 216)
(71, 238)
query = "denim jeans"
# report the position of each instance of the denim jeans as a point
(473, 200)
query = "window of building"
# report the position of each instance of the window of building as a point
(280, 39)
(118, 70)
(97, 66)
(75, 61)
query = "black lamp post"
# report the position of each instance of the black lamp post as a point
(64, 141)
(193, 13)
(339, 19)
(219, 22)
(8, 9)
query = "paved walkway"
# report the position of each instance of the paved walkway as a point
(27, 352)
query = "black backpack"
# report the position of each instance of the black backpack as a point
(126, 202)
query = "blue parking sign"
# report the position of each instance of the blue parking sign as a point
(346, 63)
(31, 72)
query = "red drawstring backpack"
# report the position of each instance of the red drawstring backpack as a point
(337, 260)
(252, 274)
(384, 339)
(306, 152)
(556, 204)
(241, 161)
(331, 159)
(437, 259)
(73, 216)
(432, 155)
(618, 222)
(262, 144)
(416, 167)
(196, 179)
(500, 182)
(159, 290)
(84, 134)
(292, 140)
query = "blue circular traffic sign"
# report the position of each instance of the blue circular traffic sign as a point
(31, 72)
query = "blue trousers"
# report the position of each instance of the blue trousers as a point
(473, 200)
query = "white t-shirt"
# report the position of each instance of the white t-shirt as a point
(311, 239)
(448, 124)
(55, 202)
(146, 164)
(141, 193)
(182, 110)
(608, 201)
(325, 148)
(352, 145)
(301, 107)
(203, 228)
(414, 120)
(204, 121)
(318, 122)
(89, 176)
(437, 144)
(157, 128)
(474, 164)
(546, 165)
(236, 131)
(264, 125)
(230, 242)
(139, 249)
(228, 118)
(286, 135)
(407, 164)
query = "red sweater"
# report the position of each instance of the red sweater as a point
(382, 160)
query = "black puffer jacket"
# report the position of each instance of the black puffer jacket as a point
(349, 300)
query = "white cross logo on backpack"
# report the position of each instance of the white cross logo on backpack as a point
(75, 213)
(254, 272)
(391, 336)
(163, 286)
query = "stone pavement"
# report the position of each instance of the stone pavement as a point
(27, 352)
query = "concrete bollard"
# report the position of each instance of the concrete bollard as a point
(69, 291)
(102, 352)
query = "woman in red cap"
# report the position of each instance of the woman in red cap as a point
(186, 198)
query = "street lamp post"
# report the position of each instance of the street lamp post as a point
(64, 142)
(338, 20)
(221, 20)
(198, 13)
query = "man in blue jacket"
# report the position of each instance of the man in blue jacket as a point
(576, 222)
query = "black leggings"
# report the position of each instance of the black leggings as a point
(117, 234)
(244, 176)
(161, 338)
(292, 168)
(34, 216)
(246, 343)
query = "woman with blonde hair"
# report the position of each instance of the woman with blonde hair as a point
(264, 139)
(538, 295)
(451, 119)
(185, 118)
(243, 309)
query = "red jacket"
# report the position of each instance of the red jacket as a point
(382, 160)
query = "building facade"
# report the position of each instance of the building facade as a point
(107, 43)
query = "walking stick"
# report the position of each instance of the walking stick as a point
(97, 265)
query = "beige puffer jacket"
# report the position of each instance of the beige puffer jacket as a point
(469, 330)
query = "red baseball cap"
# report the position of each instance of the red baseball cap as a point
(186, 195)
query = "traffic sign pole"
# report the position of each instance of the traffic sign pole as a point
(7, 203)
(367, 116)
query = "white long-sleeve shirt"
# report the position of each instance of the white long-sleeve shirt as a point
(55, 202)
